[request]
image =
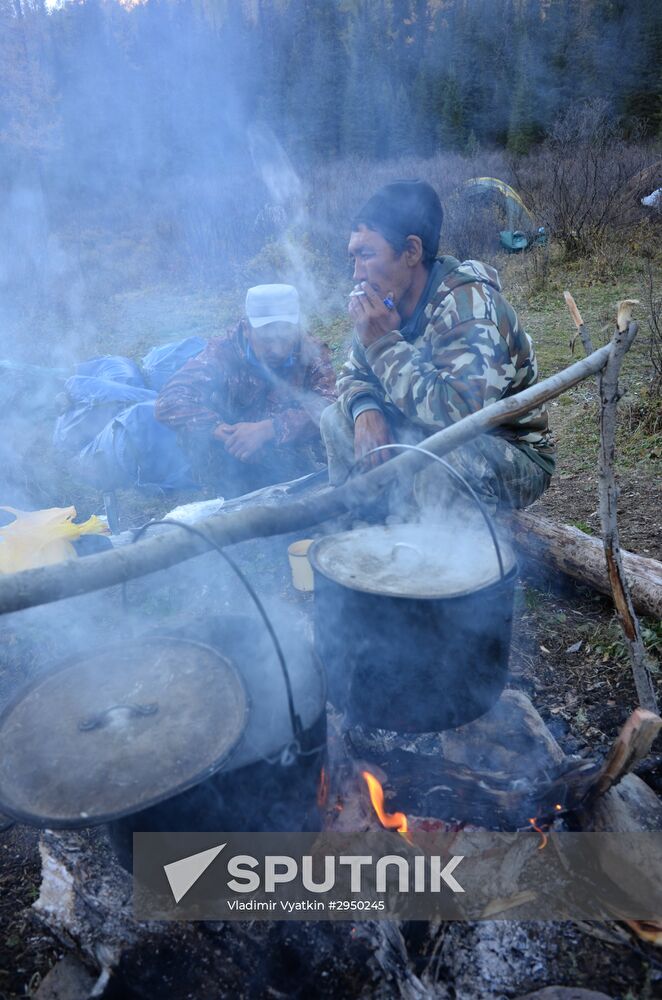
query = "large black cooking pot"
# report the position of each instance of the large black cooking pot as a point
(413, 623)
(191, 730)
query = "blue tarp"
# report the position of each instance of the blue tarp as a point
(92, 403)
(134, 450)
(113, 367)
(162, 362)
(109, 429)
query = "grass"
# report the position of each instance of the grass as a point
(336, 333)
(597, 285)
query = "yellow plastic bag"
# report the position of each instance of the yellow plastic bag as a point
(42, 537)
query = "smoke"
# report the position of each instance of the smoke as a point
(286, 210)
(159, 157)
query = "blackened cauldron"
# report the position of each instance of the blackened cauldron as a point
(180, 731)
(413, 624)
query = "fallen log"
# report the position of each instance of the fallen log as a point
(581, 557)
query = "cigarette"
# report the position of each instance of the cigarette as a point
(388, 301)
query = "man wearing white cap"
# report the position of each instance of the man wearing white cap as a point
(247, 408)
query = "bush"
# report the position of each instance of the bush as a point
(581, 183)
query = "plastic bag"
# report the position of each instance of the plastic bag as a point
(135, 451)
(113, 368)
(42, 537)
(92, 403)
(161, 363)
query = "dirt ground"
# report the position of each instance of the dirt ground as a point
(26, 952)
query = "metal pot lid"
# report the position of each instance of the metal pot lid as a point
(412, 560)
(120, 729)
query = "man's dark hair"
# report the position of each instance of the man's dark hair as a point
(402, 209)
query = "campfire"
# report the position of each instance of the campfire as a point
(417, 789)
(503, 771)
(428, 777)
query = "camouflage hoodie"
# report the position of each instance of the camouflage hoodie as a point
(462, 349)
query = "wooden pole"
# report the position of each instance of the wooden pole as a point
(608, 490)
(53, 583)
(609, 396)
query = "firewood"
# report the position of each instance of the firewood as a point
(632, 744)
(629, 809)
(576, 554)
(497, 771)
(647, 930)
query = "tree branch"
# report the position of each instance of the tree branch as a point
(608, 491)
(579, 323)
(52, 583)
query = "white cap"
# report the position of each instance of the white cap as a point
(272, 304)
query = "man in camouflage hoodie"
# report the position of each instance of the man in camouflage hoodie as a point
(247, 409)
(434, 340)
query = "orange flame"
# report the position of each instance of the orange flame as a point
(543, 842)
(392, 821)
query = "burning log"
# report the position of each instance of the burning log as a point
(576, 554)
(632, 745)
(522, 786)
(524, 773)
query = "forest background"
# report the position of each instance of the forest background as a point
(156, 157)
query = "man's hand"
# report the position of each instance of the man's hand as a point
(370, 431)
(370, 316)
(244, 440)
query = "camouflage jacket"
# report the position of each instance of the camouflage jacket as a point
(462, 349)
(223, 384)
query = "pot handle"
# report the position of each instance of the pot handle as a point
(291, 752)
(455, 475)
(101, 718)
